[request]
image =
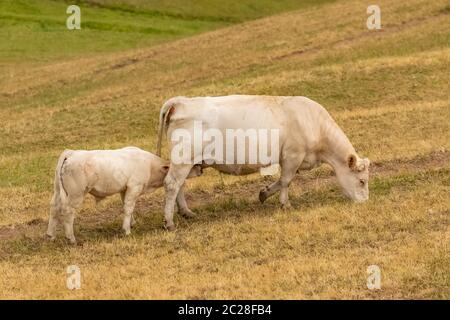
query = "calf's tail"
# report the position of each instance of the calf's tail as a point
(60, 192)
(59, 200)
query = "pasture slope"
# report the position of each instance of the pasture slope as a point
(388, 90)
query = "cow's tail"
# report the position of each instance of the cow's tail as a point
(163, 119)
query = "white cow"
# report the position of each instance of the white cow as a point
(129, 171)
(307, 137)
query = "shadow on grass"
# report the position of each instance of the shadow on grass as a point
(105, 225)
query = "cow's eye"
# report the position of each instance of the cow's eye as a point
(362, 182)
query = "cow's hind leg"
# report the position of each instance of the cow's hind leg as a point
(172, 183)
(183, 208)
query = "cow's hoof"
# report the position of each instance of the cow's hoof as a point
(188, 214)
(170, 227)
(49, 237)
(262, 195)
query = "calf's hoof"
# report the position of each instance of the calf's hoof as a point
(72, 241)
(170, 227)
(49, 237)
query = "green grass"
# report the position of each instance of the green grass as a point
(35, 30)
(206, 10)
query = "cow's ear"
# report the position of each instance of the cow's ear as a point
(351, 161)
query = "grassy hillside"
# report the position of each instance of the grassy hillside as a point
(35, 30)
(387, 89)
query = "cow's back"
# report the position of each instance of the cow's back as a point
(292, 115)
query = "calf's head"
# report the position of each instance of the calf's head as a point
(353, 177)
(162, 170)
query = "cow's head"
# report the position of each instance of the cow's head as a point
(353, 176)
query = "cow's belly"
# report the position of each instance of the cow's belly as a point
(236, 169)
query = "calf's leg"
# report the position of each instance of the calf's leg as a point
(67, 217)
(129, 200)
(133, 220)
(69, 208)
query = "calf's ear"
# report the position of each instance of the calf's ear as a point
(351, 161)
(164, 169)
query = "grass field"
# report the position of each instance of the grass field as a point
(102, 87)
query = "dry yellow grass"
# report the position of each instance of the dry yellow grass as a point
(388, 90)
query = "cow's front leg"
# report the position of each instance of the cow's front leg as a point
(289, 168)
(269, 191)
(129, 201)
(172, 183)
(183, 208)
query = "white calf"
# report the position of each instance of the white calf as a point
(129, 171)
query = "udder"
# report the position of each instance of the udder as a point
(236, 169)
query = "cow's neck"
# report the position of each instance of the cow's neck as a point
(337, 146)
